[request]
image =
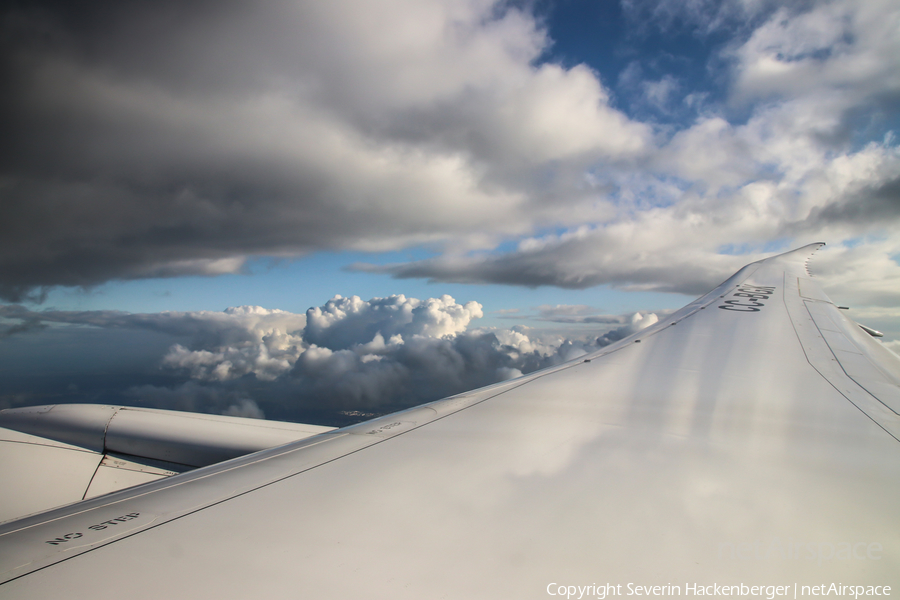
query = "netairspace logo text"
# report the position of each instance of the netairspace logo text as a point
(770, 592)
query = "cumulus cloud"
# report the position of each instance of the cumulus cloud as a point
(420, 367)
(344, 335)
(637, 322)
(232, 343)
(344, 321)
(230, 362)
(346, 355)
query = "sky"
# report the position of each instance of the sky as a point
(325, 211)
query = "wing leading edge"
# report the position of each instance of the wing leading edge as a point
(750, 438)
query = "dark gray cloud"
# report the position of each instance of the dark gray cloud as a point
(871, 204)
(577, 262)
(28, 324)
(165, 139)
(236, 325)
(192, 396)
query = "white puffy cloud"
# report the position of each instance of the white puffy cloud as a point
(230, 362)
(342, 322)
(638, 321)
(245, 408)
(392, 350)
(242, 340)
(349, 354)
(396, 351)
(355, 353)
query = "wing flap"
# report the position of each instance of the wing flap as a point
(847, 358)
(59, 454)
(38, 474)
(116, 472)
(861, 358)
(190, 439)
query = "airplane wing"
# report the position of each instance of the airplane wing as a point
(746, 445)
(58, 454)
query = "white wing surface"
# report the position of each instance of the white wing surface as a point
(751, 439)
(59, 454)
